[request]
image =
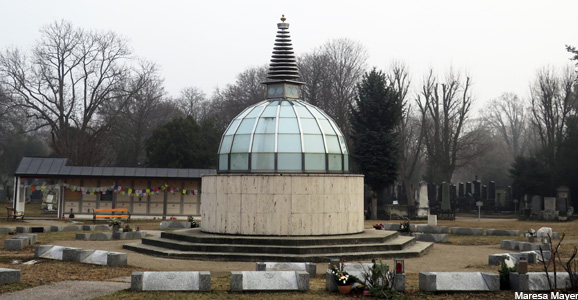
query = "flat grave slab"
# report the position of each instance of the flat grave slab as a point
(171, 281)
(509, 244)
(175, 225)
(310, 268)
(269, 281)
(432, 229)
(458, 281)
(537, 281)
(9, 275)
(467, 231)
(50, 251)
(501, 232)
(431, 237)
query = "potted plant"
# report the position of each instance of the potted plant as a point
(404, 228)
(531, 235)
(115, 224)
(193, 222)
(379, 226)
(343, 279)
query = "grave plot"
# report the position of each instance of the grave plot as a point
(97, 257)
(251, 281)
(459, 282)
(310, 268)
(171, 281)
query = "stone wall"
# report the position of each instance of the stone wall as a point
(287, 204)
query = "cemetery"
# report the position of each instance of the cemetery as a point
(283, 216)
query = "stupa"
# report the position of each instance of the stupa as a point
(283, 165)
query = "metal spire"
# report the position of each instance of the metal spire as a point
(283, 65)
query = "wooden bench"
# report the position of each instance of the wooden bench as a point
(101, 213)
(14, 214)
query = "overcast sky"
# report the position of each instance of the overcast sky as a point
(205, 44)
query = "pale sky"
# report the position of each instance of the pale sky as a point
(205, 44)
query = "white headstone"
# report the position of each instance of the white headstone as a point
(432, 220)
(550, 203)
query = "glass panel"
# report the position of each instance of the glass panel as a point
(256, 111)
(343, 146)
(233, 127)
(327, 129)
(270, 111)
(303, 112)
(334, 162)
(316, 113)
(266, 125)
(310, 126)
(313, 143)
(263, 143)
(289, 143)
(346, 163)
(246, 126)
(332, 144)
(288, 125)
(314, 162)
(223, 162)
(241, 143)
(289, 161)
(226, 144)
(287, 111)
(240, 161)
(263, 161)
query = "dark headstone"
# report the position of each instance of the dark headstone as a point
(461, 191)
(536, 205)
(484, 192)
(492, 190)
(561, 205)
(477, 190)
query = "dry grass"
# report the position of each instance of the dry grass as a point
(49, 271)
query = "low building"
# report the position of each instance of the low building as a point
(146, 192)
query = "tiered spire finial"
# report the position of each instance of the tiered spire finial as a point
(283, 65)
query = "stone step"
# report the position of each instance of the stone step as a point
(415, 250)
(195, 235)
(397, 243)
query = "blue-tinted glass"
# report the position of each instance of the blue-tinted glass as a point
(289, 161)
(263, 143)
(256, 111)
(314, 162)
(239, 161)
(287, 111)
(241, 143)
(334, 162)
(327, 129)
(246, 126)
(270, 111)
(313, 143)
(263, 161)
(303, 112)
(332, 144)
(226, 144)
(343, 146)
(310, 126)
(317, 113)
(346, 162)
(223, 162)
(266, 125)
(233, 127)
(289, 143)
(288, 125)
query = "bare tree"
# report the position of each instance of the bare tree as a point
(506, 117)
(193, 102)
(70, 74)
(331, 73)
(552, 101)
(444, 110)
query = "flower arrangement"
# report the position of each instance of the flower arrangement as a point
(404, 227)
(530, 233)
(379, 226)
(342, 277)
(115, 224)
(193, 222)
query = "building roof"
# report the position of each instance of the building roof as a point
(56, 167)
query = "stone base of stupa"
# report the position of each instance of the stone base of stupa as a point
(282, 204)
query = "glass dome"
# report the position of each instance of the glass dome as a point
(281, 136)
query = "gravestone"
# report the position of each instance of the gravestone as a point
(432, 220)
(459, 281)
(432, 229)
(423, 209)
(446, 204)
(477, 190)
(549, 203)
(467, 231)
(461, 191)
(432, 195)
(491, 190)
(269, 281)
(431, 237)
(502, 232)
(9, 275)
(536, 205)
(310, 268)
(469, 188)
(484, 192)
(50, 251)
(537, 281)
(355, 269)
(171, 281)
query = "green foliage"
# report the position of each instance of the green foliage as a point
(374, 118)
(343, 278)
(530, 176)
(505, 275)
(380, 281)
(182, 143)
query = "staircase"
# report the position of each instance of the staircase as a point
(197, 245)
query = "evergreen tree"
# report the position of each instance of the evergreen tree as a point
(178, 144)
(374, 118)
